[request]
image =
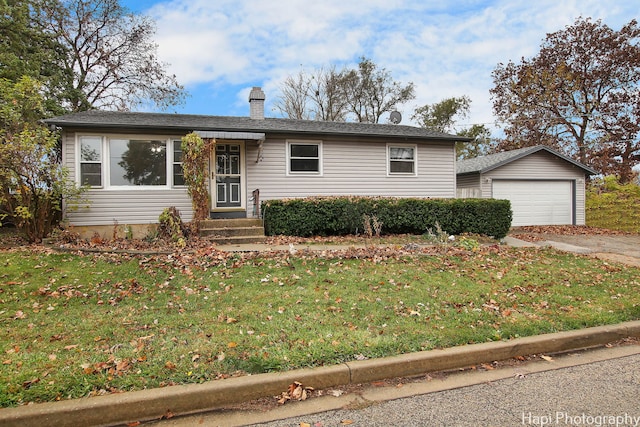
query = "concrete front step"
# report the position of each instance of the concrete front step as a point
(235, 240)
(231, 222)
(229, 231)
(232, 231)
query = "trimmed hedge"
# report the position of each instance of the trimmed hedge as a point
(334, 216)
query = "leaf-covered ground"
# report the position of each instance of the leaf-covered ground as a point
(79, 324)
(536, 233)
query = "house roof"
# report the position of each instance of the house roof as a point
(487, 163)
(189, 123)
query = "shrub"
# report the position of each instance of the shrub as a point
(32, 181)
(348, 215)
(171, 226)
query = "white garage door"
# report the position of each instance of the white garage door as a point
(537, 202)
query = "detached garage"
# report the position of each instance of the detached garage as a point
(544, 186)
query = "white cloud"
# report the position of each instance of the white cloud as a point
(444, 49)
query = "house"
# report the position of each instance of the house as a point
(544, 186)
(132, 161)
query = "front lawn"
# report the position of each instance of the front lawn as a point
(79, 325)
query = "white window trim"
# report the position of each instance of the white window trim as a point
(415, 159)
(79, 162)
(172, 162)
(304, 142)
(106, 163)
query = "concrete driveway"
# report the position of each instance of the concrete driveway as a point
(628, 245)
(619, 248)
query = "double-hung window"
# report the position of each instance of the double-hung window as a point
(402, 159)
(91, 161)
(178, 173)
(304, 158)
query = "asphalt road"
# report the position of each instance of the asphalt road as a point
(591, 388)
(586, 395)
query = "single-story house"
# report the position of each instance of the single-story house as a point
(544, 186)
(132, 161)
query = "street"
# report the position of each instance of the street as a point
(599, 387)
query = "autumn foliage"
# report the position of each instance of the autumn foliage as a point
(580, 95)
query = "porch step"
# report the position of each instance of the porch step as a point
(229, 231)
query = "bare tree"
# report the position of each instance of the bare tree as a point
(327, 95)
(314, 96)
(362, 95)
(371, 92)
(293, 98)
(111, 61)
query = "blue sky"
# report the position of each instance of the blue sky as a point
(220, 49)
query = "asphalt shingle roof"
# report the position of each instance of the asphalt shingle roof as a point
(189, 122)
(487, 163)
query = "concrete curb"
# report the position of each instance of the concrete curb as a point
(182, 400)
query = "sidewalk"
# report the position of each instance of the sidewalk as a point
(263, 247)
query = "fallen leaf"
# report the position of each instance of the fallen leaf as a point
(305, 425)
(170, 365)
(14, 349)
(295, 391)
(29, 383)
(346, 422)
(232, 344)
(123, 365)
(547, 358)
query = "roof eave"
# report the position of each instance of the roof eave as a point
(147, 127)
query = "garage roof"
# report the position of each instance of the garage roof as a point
(487, 163)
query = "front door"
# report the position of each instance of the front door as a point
(227, 176)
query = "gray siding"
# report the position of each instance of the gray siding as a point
(352, 168)
(468, 186)
(349, 168)
(130, 206)
(540, 166)
(107, 207)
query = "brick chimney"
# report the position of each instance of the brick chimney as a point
(256, 103)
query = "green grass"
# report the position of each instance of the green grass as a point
(613, 206)
(77, 325)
